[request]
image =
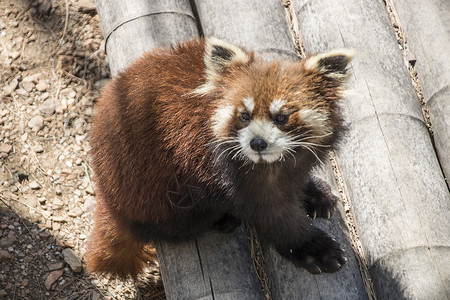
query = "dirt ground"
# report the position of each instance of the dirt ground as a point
(52, 67)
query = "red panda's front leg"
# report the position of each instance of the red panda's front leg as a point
(291, 232)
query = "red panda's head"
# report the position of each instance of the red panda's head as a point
(267, 111)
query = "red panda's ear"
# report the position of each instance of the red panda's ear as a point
(331, 64)
(220, 55)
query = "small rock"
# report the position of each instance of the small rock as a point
(36, 123)
(7, 90)
(14, 55)
(89, 204)
(4, 255)
(88, 111)
(57, 204)
(59, 219)
(5, 148)
(76, 212)
(7, 242)
(38, 148)
(55, 266)
(3, 294)
(27, 85)
(45, 96)
(72, 260)
(66, 171)
(22, 92)
(30, 78)
(34, 185)
(48, 107)
(71, 176)
(48, 224)
(56, 226)
(52, 278)
(86, 6)
(41, 86)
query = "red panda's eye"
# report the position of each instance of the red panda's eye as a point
(281, 119)
(245, 116)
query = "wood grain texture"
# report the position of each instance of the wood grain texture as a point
(399, 196)
(426, 26)
(214, 266)
(131, 28)
(256, 25)
(261, 25)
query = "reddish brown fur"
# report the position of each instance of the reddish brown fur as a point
(152, 152)
(123, 114)
(113, 249)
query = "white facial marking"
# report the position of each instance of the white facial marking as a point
(203, 89)
(276, 105)
(319, 120)
(277, 141)
(221, 118)
(249, 104)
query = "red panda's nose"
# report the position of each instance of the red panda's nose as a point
(258, 144)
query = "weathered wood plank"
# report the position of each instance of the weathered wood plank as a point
(261, 25)
(257, 25)
(213, 266)
(133, 27)
(399, 196)
(426, 26)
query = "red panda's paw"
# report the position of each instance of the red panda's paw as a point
(322, 255)
(319, 201)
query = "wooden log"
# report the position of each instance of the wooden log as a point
(213, 266)
(397, 190)
(132, 27)
(426, 27)
(261, 25)
(256, 25)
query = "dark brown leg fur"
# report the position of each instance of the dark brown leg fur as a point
(227, 223)
(291, 232)
(112, 249)
(319, 201)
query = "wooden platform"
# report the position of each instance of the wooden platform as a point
(390, 169)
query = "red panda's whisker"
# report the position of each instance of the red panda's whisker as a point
(231, 149)
(313, 152)
(225, 142)
(291, 152)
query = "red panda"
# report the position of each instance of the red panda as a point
(207, 134)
